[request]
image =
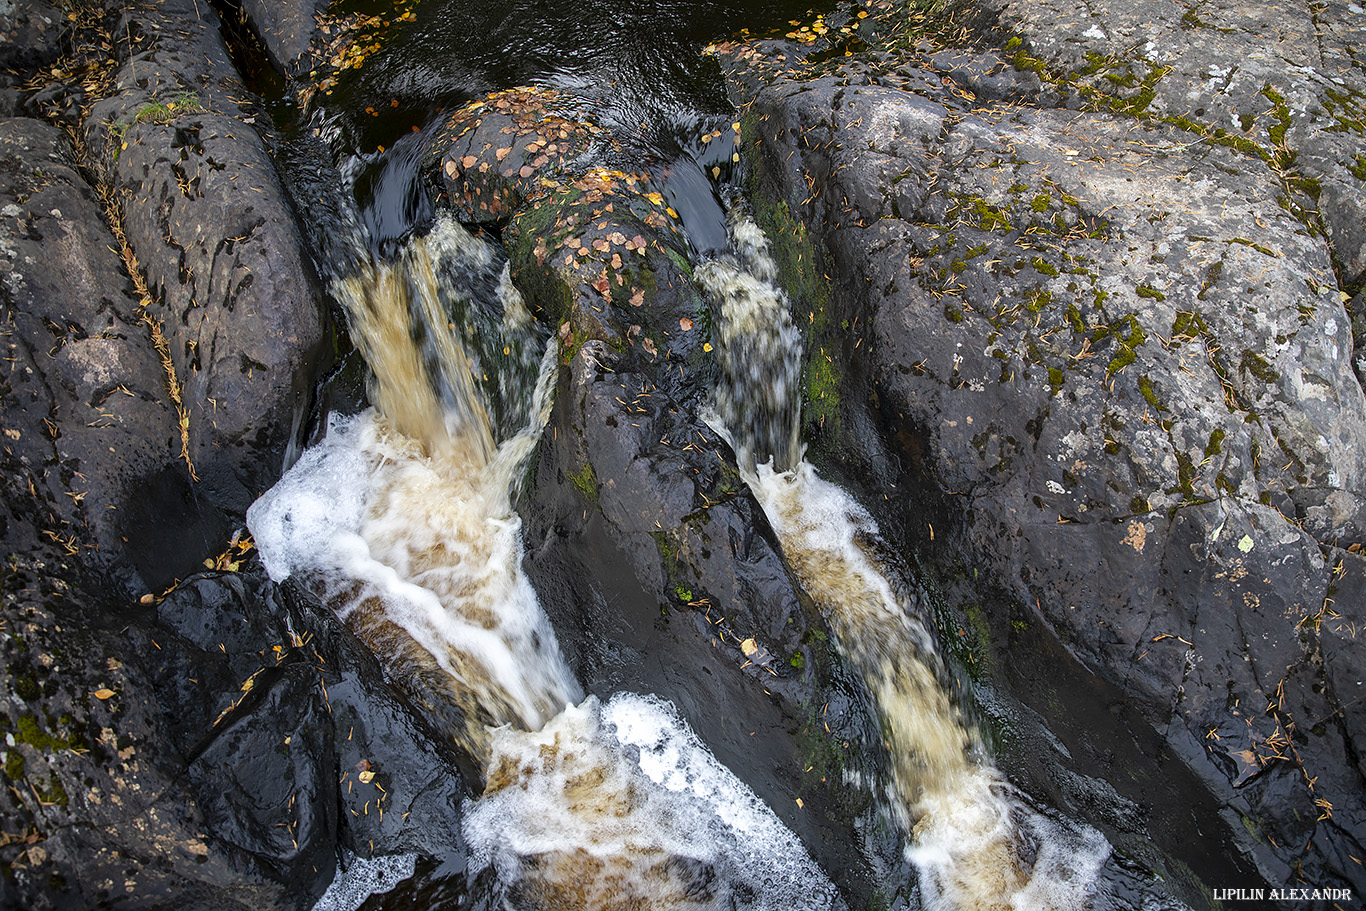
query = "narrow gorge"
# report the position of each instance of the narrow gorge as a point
(682, 455)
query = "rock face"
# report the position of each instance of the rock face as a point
(30, 34)
(213, 753)
(226, 266)
(1111, 351)
(85, 411)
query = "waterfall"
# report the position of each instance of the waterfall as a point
(401, 520)
(966, 834)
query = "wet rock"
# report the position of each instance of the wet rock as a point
(649, 554)
(1120, 368)
(225, 263)
(287, 30)
(105, 809)
(215, 751)
(688, 598)
(86, 412)
(30, 34)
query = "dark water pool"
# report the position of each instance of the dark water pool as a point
(639, 66)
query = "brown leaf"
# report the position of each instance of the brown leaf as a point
(469, 161)
(503, 153)
(103, 693)
(638, 297)
(685, 324)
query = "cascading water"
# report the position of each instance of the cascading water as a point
(401, 521)
(969, 837)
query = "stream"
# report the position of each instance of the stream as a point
(402, 518)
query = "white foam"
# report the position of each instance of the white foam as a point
(358, 878)
(371, 519)
(619, 803)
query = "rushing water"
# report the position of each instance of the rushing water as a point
(966, 835)
(401, 521)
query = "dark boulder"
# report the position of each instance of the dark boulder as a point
(649, 554)
(87, 416)
(205, 215)
(287, 29)
(31, 34)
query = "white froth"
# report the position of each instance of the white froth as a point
(622, 803)
(358, 878)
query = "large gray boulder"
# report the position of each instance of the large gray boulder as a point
(1115, 368)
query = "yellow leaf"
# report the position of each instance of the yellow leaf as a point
(367, 776)
(103, 693)
(706, 346)
(749, 647)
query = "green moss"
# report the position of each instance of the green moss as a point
(1040, 202)
(683, 593)
(1047, 268)
(1215, 446)
(585, 482)
(1145, 387)
(823, 396)
(1148, 291)
(798, 660)
(26, 687)
(1037, 300)
(1055, 379)
(14, 766)
(1139, 505)
(1280, 111)
(1258, 366)
(31, 733)
(51, 793)
(1265, 251)
(1358, 167)
(952, 313)
(1124, 358)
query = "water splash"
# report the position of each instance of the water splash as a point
(401, 520)
(965, 838)
(620, 806)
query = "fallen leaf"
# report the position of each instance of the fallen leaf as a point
(103, 693)
(367, 776)
(706, 346)
(469, 161)
(749, 647)
(685, 324)
(638, 297)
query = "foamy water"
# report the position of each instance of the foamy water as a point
(401, 521)
(620, 806)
